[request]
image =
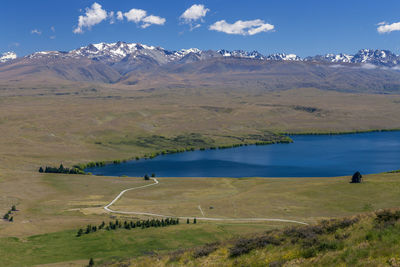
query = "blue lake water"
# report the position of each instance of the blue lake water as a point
(308, 156)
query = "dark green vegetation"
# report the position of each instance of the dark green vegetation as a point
(8, 216)
(61, 169)
(340, 133)
(365, 240)
(128, 225)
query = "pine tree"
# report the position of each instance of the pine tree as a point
(13, 208)
(194, 221)
(41, 170)
(91, 262)
(146, 177)
(80, 232)
(6, 216)
(153, 175)
(88, 229)
(11, 219)
(187, 221)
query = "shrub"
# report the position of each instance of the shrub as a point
(387, 217)
(245, 245)
(205, 250)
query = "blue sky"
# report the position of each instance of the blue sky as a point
(269, 26)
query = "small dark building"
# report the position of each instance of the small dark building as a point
(357, 178)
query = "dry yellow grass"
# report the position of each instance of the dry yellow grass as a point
(47, 126)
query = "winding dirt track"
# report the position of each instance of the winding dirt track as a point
(107, 208)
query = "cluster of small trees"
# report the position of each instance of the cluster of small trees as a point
(61, 169)
(194, 221)
(147, 177)
(9, 215)
(128, 225)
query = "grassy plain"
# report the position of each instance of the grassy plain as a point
(69, 125)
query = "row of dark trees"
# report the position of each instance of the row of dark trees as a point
(9, 215)
(61, 169)
(128, 225)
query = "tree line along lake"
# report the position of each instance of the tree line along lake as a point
(307, 156)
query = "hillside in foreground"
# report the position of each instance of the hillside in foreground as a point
(371, 239)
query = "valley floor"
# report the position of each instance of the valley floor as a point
(71, 125)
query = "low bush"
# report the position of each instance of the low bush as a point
(205, 250)
(387, 217)
(245, 245)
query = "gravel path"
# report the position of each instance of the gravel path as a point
(156, 182)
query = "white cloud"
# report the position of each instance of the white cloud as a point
(135, 15)
(149, 20)
(120, 16)
(139, 16)
(384, 27)
(36, 31)
(94, 15)
(111, 15)
(249, 27)
(53, 29)
(194, 13)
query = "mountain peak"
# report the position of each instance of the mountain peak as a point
(114, 53)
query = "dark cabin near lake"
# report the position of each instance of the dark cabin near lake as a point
(357, 178)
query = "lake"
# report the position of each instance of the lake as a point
(308, 156)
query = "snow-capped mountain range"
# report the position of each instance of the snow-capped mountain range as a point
(115, 53)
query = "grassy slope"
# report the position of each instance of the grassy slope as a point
(356, 241)
(65, 246)
(303, 199)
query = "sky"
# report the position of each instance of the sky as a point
(305, 28)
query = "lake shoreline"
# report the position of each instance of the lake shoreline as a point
(306, 157)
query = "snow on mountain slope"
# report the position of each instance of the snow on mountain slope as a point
(7, 56)
(125, 55)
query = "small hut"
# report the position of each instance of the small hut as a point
(357, 178)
